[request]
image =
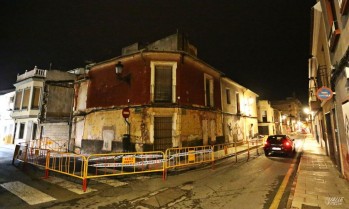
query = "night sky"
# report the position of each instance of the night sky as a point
(263, 45)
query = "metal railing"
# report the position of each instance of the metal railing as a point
(128, 163)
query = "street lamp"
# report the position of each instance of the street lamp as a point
(118, 71)
(309, 113)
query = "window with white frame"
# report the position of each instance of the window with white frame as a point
(209, 102)
(163, 82)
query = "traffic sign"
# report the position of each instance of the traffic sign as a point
(324, 93)
(126, 112)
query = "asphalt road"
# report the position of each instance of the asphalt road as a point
(249, 184)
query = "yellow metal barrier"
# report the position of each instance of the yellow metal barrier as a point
(67, 163)
(37, 156)
(186, 156)
(114, 164)
(224, 150)
(47, 143)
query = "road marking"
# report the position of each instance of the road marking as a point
(29, 194)
(73, 187)
(280, 192)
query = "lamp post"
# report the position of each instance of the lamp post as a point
(307, 111)
(126, 138)
(118, 71)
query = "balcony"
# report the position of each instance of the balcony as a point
(314, 102)
(334, 36)
(32, 73)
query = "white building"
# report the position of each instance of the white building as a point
(6, 122)
(42, 105)
(239, 110)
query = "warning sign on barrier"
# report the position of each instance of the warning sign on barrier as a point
(191, 156)
(128, 160)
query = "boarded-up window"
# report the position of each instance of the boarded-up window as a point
(162, 133)
(18, 100)
(163, 84)
(26, 98)
(35, 98)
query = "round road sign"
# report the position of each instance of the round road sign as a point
(324, 93)
(126, 112)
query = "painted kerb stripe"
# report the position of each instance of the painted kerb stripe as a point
(28, 194)
(73, 187)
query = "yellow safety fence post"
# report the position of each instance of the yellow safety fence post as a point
(236, 152)
(84, 177)
(26, 153)
(248, 149)
(47, 164)
(164, 174)
(212, 157)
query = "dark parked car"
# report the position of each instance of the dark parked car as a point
(279, 144)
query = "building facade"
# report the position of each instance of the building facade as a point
(291, 109)
(328, 69)
(266, 118)
(164, 97)
(42, 106)
(6, 122)
(239, 110)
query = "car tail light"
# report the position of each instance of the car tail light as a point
(266, 144)
(287, 144)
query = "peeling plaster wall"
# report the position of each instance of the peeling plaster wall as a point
(95, 122)
(188, 127)
(82, 96)
(101, 99)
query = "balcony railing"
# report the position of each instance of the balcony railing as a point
(334, 36)
(32, 73)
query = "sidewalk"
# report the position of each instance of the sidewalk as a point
(7, 146)
(318, 183)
